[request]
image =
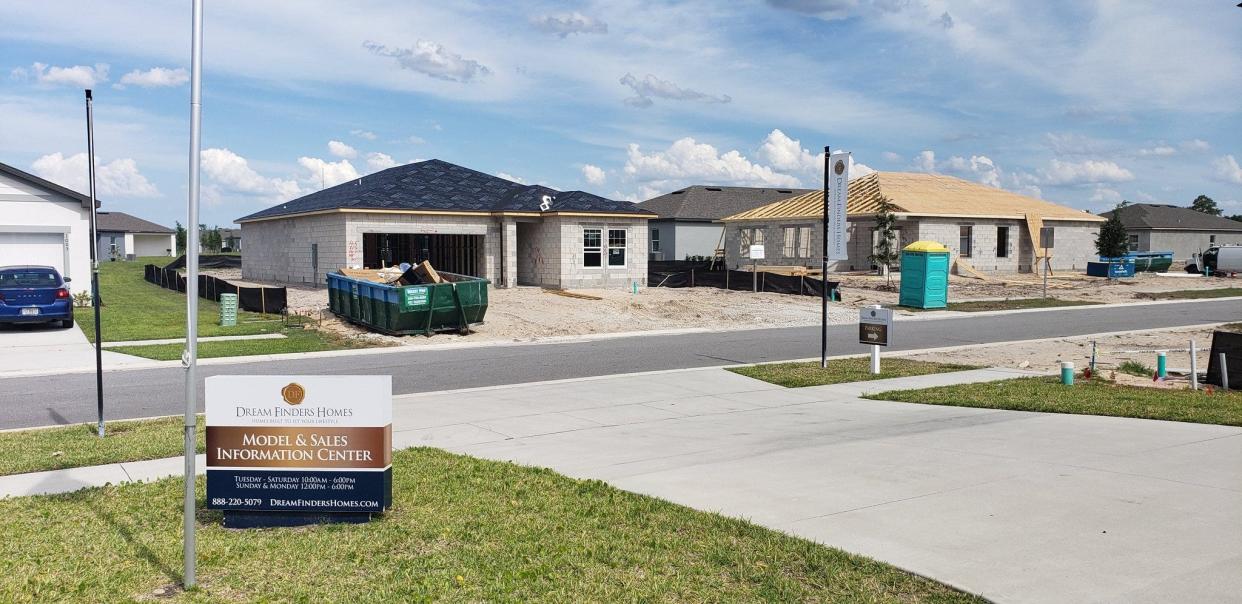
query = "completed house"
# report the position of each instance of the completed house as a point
(125, 237)
(1154, 227)
(688, 219)
(988, 228)
(43, 223)
(461, 220)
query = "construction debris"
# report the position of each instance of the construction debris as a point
(569, 294)
(425, 274)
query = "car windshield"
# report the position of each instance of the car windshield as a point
(28, 278)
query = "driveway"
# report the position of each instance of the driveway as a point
(1014, 506)
(40, 348)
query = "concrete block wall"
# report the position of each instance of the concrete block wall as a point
(537, 254)
(280, 250)
(858, 245)
(1074, 243)
(574, 275)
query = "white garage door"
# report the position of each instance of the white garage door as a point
(44, 249)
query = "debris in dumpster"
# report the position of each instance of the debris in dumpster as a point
(422, 274)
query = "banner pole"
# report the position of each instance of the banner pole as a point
(823, 275)
(191, 290)
(90, 161)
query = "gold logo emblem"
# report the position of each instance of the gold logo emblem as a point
(293, 393)
(839, 167)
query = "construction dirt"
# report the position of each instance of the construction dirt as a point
(531, 313)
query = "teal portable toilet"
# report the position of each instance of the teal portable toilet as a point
(924, 275)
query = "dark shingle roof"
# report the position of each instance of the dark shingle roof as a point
(47, 184)
(706, 202)
(125, 223)
(1164, 216)
(438, 185)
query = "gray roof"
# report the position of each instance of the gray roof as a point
(47, 184)
(1141, 216)
(125, 223)
(436, 185)
(709, 202)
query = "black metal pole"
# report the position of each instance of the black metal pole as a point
(94, 243)
(823, 275)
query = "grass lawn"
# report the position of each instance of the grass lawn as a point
(1086, 397)
(1013, 304)
(295, 341)
(461, 530)
(136, 310)
(77, 445)
(839, 371)
(1190, 294)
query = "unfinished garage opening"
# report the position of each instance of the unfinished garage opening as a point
(462, 254)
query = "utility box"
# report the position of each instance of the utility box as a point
(228, 310)
(924, 275)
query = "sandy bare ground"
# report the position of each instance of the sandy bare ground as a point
(1112, 350)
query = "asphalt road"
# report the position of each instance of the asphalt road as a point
(63, 399)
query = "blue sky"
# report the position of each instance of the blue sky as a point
(1082, 102)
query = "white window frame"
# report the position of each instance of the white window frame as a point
(806, 235)
(789, 236)
(624, 247)
(597, 249)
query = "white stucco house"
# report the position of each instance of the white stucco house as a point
(461, 220)
(43, 223)
(125, 237)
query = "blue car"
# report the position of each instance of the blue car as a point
(34, 294)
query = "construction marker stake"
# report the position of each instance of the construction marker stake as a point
(1162, 365)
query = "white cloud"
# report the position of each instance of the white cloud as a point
(571, 23)
(507, 176)
(1195, 146)
(117, 178)
(340, 149)
(1105, 195)
(431, 59)
(687, 161)
(651, 86)
(1227, 169)
(593, 174)
(79, 76)
(787, 154)
(323, 174)
(925, 161)
(889, 156)
(231, 172)
(1084, 172)
(156, 77)
(377, 161)
(365, 134)
(1157, 151)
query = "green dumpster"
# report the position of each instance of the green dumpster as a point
(228, 310)
(924, 275)
(455, 305)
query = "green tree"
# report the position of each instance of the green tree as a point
(180, 238)
(1113, 240)
(1237, 217)
(1205, 204)
(885, 253)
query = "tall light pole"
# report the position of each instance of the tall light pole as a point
(90, 168)
(823, 274)
(190, 359)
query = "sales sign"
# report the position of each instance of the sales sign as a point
(838, 185)
(299, 443)
(414, 297)
(875, 324)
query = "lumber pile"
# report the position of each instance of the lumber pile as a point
(569, 294)
(964, 269)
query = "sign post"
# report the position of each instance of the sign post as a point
(836, 194)
(875, 326)
(1046, 241)
(190, 357)
(294, 450)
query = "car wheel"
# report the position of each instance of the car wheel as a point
(66, 323)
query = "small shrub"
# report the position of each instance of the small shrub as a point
(1135, 368)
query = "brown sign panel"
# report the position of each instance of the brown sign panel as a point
(299, 447)
(875, 334)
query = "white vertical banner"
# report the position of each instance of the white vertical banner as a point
(838, 194)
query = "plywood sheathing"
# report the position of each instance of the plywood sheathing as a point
(916, 194)
(964, 269)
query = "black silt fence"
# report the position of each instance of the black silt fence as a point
(254, 299)
(744, 281)
(1230, 344)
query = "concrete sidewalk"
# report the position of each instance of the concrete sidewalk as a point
(1018, 507)
(33, 349)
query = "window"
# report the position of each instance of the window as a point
(749, 237)
(1211, 238)
(804, 242)
(1002, 242)
(1133, 244)
(655, 240)
(592, 254)
(616, 247)
(965, 240)
(791, 242)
